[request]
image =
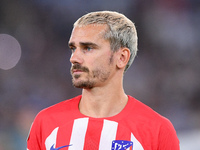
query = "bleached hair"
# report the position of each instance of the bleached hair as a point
(121, 31)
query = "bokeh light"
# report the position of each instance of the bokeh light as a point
(10, 51)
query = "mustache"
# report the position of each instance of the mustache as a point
(79, 67)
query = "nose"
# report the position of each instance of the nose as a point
(76, 57)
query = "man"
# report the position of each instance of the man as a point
(103, 46)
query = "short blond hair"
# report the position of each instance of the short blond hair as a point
(121, 31)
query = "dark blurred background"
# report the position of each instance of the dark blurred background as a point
(165, 74)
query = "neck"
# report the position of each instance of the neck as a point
(101, 102)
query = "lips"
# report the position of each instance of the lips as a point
(76, 71)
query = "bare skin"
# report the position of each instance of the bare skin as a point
(102, 77)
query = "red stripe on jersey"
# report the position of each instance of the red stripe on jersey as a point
(93, 134)
(64, 135)
(123, 133)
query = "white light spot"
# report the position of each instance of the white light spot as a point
(10, 51)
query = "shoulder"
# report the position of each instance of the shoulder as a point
(147, 114)
(58, 109)
(50, 118)
(152, 123)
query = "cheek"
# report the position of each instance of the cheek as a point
(101, 62)
(101, 73)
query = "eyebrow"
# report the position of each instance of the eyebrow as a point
(72, 44)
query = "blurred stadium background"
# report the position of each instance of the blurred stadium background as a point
(165, 75)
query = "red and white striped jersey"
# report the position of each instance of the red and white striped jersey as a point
(136, 127)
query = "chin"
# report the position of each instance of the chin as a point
(83, 84)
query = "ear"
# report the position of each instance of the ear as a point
(123, 57)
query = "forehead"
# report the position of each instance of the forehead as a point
(87, 33)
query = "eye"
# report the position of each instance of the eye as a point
(73, 49)
(87, 48)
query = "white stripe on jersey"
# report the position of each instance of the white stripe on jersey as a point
(136, 143)
(51, 139)
(77, 141)
(78, 134)
(108, 134)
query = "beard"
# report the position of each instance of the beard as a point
(91, 77)
(83, 84)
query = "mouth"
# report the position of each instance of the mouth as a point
(76, 71)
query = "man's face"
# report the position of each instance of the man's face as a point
(92, 58)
